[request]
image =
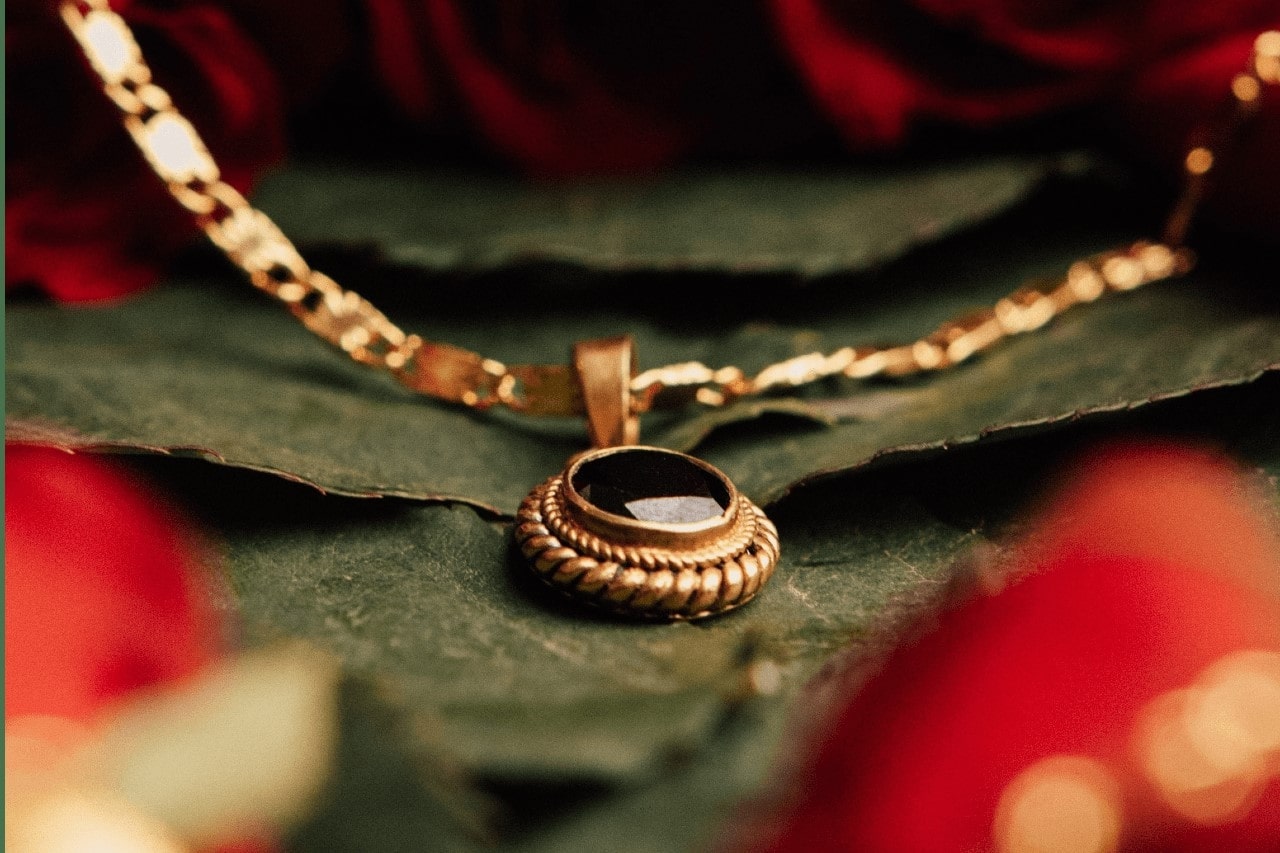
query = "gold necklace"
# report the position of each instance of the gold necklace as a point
(641, 531)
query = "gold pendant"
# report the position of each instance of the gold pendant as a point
(641, 531)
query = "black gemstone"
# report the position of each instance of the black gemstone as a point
(650, 485)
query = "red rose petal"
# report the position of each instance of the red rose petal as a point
(106, 588)
(1148, 572)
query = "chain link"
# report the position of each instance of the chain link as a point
(252, 241)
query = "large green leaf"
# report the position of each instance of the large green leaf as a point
(485, 670)
(727, 791)
(805, 222)
(392, 788)
(521, 683)
(202, 366)
(583, 726)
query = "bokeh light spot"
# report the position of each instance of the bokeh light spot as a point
(1209, 750)
(1061, 804)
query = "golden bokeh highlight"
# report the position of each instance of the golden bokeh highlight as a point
(1199, 160)
(1267, 56)
(1123, 273)
(76, 821)
(1187, 780)
(1246, 685)
(1210, 749)
(1060, 804)
(1085, 282)
(1158, 260)
(49, 809)
(1246, 88)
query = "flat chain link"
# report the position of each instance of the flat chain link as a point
(252, 241)
(177, 154)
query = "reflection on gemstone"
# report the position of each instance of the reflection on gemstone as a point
(673, 509)
(651, 485)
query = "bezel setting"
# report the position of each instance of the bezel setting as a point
(646, 569)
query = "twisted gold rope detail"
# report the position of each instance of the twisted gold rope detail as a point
(342, 317)
(664, 588)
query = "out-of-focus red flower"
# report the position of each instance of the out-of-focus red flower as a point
(1144, 76)
(107, 592)
(106, 588)
(1123, 695)
(561, 89)
(522, 83)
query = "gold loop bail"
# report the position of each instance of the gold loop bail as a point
(604, 368)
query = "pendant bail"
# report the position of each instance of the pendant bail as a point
(604, 368)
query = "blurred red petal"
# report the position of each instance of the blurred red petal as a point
(106, 586)
(1148, 569)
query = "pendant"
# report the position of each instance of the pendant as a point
(641, 531)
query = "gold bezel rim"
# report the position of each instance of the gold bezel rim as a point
(630, 531)
(651, 555)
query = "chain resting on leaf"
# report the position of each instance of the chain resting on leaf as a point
(248, 237)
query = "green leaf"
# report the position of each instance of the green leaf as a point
(581, 729)
(393, 789)
(805, 222)
(482, 666)
(202, 366)
(517, 681)
(694, 804)
(1173, 339)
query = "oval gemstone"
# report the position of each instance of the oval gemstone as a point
(651, 485)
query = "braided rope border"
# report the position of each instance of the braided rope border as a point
(670, 589)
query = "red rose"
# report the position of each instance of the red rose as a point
(1125, 695)
(516, 78)
(561, 90)
(1144, 74)
(106, 588)
(107, 592)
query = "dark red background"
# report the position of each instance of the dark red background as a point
(558, 89)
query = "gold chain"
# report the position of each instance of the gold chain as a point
(342, 317)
